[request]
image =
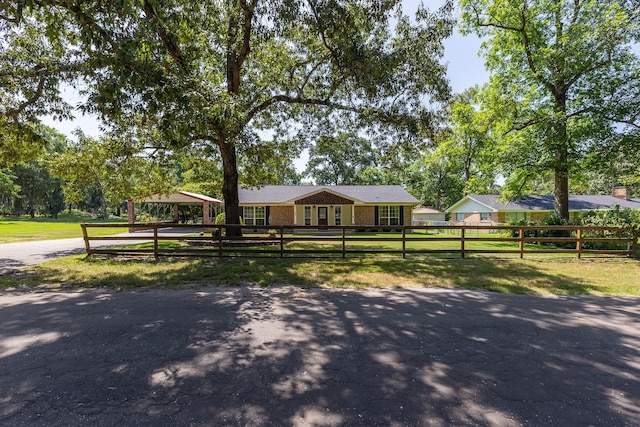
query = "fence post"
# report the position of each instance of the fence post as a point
(634, 245)
(281, 242)
(344, 242)
(462, 242)
(87, 246)
(220, 241)
(579, 243)
(404, 242)
(155, 241)
(521, 243)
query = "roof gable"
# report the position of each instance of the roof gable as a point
(473, 203)
(324, 198)
(359, 194)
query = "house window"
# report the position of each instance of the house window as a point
(516, 216)
(485, 216)
(389, 215)
(337, 211)
(460, 216)
(254, 215)
(307, 215)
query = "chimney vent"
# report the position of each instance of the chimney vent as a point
(623, 193)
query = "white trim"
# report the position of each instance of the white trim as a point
(464, 200)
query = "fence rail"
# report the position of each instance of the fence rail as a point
(342, 241)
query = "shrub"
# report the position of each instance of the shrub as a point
(221, 218)
(522, 223)
(616, 217)
(553, 219)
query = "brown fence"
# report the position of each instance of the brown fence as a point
(343, 241)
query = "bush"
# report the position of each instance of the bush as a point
(616, 217)
(548, 220)
(522, 223)
(553, 219)
(221, 218)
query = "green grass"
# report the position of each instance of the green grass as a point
(23, 228)
(605, 276)
(361, 246)
(541, 274)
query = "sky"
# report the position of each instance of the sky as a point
(465, 69)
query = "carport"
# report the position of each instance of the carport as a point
(170, 205)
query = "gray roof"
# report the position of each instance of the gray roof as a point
(545, 202)
(370, 194)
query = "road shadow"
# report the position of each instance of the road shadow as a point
(295, 356)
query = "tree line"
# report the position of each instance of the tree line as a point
(215, 94)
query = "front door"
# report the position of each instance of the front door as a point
(322, 215)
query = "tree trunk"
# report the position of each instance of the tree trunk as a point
(230, 187)
(32, 206)
(561, 191)
(103, 203)
(561, 148)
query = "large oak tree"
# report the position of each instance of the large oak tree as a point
(220, 73)
(564, 80)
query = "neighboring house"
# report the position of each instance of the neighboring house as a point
(479, 209)
(426, 216)
(320, 205)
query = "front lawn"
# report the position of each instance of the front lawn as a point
(561, 276)
(23, 228)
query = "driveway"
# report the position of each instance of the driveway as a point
(287, 356)
(14, 256)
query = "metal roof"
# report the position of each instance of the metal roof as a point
(180, 197)
(545, 202)
(369, 194)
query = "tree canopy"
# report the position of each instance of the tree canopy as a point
(216, 74)
(565, 81)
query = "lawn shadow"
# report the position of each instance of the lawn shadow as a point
(483, 273)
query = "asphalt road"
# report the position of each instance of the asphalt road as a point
(287, 356)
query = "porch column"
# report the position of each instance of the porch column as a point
(205, 213)
(353, 215)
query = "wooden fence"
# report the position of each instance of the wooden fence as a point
(343, 241)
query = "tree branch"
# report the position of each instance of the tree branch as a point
(18, 13)
(295, 100)
(93, 26)
(623, 121)
(247, 28)
(321, 29)
(15, 112)
(168, 42)
(527, 49)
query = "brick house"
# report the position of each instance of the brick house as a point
(320, 205)
(488, 208)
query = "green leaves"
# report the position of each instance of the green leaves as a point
(564, 78)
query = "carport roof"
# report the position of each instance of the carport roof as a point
(180, 197)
